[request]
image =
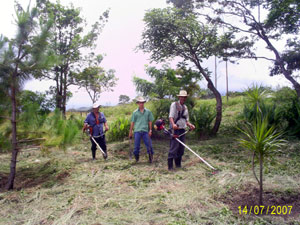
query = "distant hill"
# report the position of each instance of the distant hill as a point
(81, 109)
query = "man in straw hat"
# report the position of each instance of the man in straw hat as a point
(179, 121)
(141, 122)
(94, 122)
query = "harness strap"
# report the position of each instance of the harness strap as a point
(180, 112)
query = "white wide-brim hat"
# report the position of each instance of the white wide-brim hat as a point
(140, 99)
(182, 93)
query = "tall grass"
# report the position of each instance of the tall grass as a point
(62, 132)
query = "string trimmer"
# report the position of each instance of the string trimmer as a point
(87, 131)
(160, 125)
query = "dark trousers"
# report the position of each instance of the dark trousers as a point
(176, 149)
(101, 141)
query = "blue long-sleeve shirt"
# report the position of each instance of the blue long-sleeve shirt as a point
(91, 121)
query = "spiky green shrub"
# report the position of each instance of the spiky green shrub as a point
(262, 139)
(119, 129)
(203, 118)
(258, 101)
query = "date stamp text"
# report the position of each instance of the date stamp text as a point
(265, 210)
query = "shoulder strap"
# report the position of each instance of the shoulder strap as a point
(180, 112)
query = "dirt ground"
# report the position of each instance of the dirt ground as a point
(246, 202)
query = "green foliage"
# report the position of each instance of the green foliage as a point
(161, 108)
(28, 98)
(167, 82)
(288, 110)
(256, 104)
(203, 118)
(123, 99)
(62, 132)
(68, 41)
(95, 79)
(281, 23)
(284, 15)
(5, 136)
(262, 139)
(31, 120)
(119, 129)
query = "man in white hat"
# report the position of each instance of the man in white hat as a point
(179, 121)
(94, 122)
(141, 122)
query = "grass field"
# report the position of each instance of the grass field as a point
(67, 187)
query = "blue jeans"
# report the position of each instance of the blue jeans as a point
(137, 142)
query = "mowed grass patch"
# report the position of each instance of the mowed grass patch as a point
(77, 190)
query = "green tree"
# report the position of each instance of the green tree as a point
(282, 23)
(68, 40)
(123, 99)
(94, 79)
(167, 82)
(20, 57)
(175, 32)
(27, 98)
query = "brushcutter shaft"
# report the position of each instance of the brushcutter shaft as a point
(98, 145)
(195, 154)
(191, 149)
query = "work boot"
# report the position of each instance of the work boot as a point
(150, 158)
(170, 164)
(137, 157)
(178, 162)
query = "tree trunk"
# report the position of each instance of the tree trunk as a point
(64, 101)
(218, 97)
(291, 79)
(261, 179)
(13, 163)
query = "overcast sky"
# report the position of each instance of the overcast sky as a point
(117, 42)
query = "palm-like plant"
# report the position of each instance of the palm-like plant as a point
(262, 140)
(261, 136)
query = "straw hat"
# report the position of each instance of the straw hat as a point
(182, 93)
(140, 99)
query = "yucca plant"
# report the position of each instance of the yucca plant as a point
(262, 139)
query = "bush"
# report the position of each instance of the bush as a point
(257, 104)
(288, 111)
(119, 129)
(203, 118)
(161, 109)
